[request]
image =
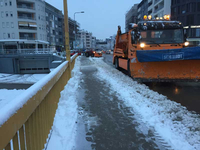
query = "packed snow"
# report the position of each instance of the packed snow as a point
(64, 126)
(179, 127)
(6, 96)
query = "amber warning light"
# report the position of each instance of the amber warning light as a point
(149, 17)
(145, 17)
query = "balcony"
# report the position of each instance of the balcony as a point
(26, 16)
(26, 6)
(27, 36)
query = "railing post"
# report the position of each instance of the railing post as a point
(67, 34)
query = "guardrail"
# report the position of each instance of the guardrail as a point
(26, 125)
(26, 51)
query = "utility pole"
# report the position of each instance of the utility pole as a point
(67, 34)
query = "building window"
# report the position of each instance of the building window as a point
(2, 14)
(7, 24)
(10, 3)
(8, 35)
(11, 14)
(13, 35)
(6, 14)
(198, 6)
(3, 24)
(197, 32)
(4, 35)
(6, 3)
(12, 24)
(47, 15)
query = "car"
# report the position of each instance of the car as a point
(107, 52)
(97, 54)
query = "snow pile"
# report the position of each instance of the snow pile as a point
(179, 127)
(64, 126)
(6, 96)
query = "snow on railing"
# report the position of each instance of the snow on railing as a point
(28, 119)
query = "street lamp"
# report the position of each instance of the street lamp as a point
(75, 24)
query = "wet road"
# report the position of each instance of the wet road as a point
(105, 123)
(185, 93)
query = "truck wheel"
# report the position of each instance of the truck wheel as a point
(92, 55)
(116, 63)
(87, 54)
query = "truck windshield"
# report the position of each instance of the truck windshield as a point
(162, 36)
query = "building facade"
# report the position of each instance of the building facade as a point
(85, 40)
(155, 8)
(54, 26)
(188, 12)
(107, 44)
(93, 43)
(22, 24)
(131, 16)
(142, 9)
(73, 24)
(159, 8)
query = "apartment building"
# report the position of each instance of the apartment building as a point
(142, 9)
(85, 40)
(131, 16)
(93, 42)
(22, 24)
(156, 8)
(188, 12)
(54, 26)
(73, 23)
(159, 8)
(107, 44)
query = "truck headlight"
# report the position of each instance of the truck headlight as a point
(186, 43)
(142, 45)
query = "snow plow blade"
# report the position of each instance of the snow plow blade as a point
(166, 65)
(190, 53)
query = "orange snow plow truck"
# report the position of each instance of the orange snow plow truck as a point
(157, 50)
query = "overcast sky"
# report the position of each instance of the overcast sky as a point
(101, 17)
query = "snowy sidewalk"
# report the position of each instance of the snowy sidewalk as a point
(172, 124)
